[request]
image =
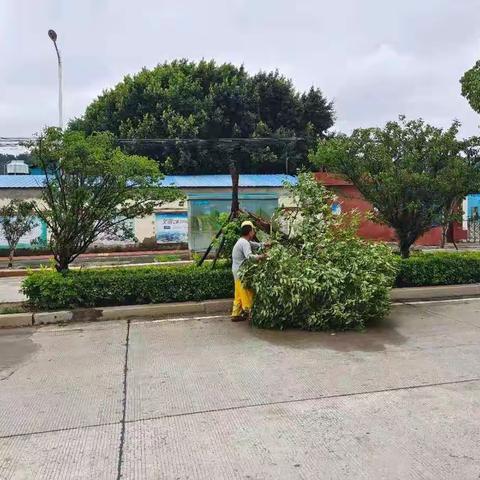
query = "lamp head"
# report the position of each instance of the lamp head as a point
(53, 35)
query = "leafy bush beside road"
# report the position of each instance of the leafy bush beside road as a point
(439, 268)
(50, 290)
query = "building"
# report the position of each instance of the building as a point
(350, 199)
(191, 222)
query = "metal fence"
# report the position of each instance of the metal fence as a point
(473, 230)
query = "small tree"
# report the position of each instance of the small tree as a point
(459, 178)
(92, 188)
(412, 173)
(16, 220)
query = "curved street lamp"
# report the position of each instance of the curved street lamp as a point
(53, 36)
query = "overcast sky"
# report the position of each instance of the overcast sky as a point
(374, 58)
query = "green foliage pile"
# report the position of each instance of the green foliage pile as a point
(51, 290)
(323, 277)
(231, 232)
(188, 100)
(439, 268)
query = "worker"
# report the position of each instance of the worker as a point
(243, 302)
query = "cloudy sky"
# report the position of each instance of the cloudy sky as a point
(374, 58)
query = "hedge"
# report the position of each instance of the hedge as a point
(439, 268)
(48, 290)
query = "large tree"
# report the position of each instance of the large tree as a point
(188, 100)
(92, 189)
(412, 173)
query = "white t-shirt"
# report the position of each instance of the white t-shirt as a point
(241, 251)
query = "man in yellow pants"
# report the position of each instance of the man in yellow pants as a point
(243, 302)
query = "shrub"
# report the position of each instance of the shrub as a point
(439, 268)
(50, 290)
(323, 276)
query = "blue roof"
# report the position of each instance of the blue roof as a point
(21, 181)
(215, 181)
(181, 181)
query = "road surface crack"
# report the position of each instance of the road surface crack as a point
(124, 405)
(7, 376)
(124, 422)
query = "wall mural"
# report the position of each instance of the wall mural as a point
(172, 227)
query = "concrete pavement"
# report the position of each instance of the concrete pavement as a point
(208, 399)
(10, 290)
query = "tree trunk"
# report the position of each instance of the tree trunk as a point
(444, 235)
(404, 245)
(10, 257)
(207, 251)
(235, 180)
(62, 263)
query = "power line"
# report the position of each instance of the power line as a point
(179, 140)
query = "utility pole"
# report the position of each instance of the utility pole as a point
(53, 36)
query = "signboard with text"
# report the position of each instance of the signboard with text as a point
(171, 227)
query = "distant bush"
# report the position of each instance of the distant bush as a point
(50, 290)
(439, 268)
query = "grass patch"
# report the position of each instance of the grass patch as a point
(12, 309)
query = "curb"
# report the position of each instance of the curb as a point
(443, 292)
(223, 306)
(10, 320)
(116, 313)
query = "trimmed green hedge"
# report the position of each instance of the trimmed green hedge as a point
(439, 268)
(49, 290)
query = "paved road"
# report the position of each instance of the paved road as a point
(208, 399)
(10, 290)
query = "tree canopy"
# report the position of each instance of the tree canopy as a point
(188, 100)
(412, 173)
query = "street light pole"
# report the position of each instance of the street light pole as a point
(53, 36)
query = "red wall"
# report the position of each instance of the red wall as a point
(351, 199)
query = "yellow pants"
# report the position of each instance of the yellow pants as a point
(243, 299)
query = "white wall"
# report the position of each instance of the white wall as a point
(145, 228)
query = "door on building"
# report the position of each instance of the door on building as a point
(205, 213)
